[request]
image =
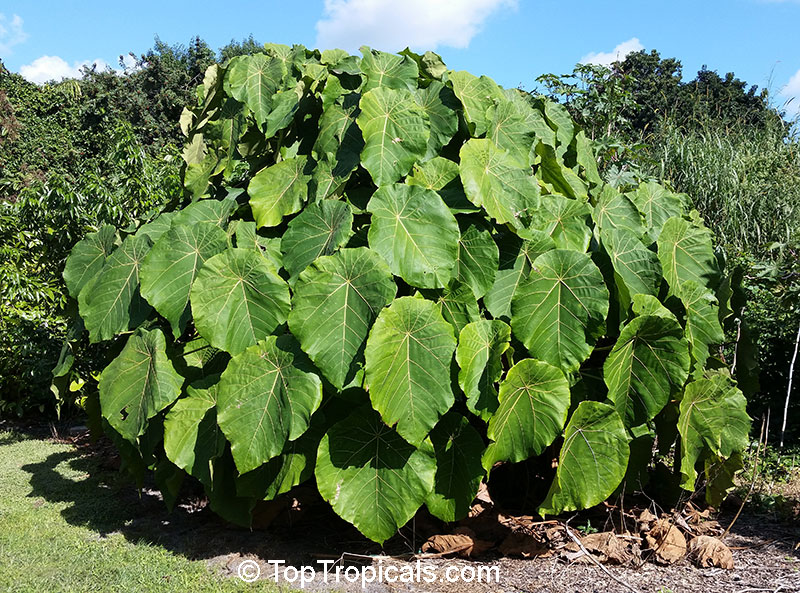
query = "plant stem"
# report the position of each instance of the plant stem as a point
(789, 390)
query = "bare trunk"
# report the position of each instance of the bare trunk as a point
(789, 390)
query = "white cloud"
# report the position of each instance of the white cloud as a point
(11, 33)
(391, 25)
(48, 68)
(128, 62)
(791, 95)
(616, 54)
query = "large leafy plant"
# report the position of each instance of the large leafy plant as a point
(391, 277)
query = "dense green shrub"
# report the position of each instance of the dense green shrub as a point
(392, 277)
(37, 231)
(39, 131)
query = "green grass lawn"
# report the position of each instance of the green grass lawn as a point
(64, 527)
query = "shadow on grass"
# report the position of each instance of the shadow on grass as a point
(107, 502)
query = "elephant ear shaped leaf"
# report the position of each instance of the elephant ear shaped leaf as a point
(408, 357)
(87, 258)
(396, 133)
(458, 449)
(335, 303)
(713, 421)
(592, 461)
(559, 310)
(371, 476)
(415, 232)
(173, 263)
(481, 345)
(534, 400)
(647, 366)
(238, 299)
(267, 395)
(138, 384)
(111, 302)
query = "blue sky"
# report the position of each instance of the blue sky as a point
(513, 41)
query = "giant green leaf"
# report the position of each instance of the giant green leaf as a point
(247, 237)
(478, 257)
(386, 70)
(458, 449)
(637, 266)
(87, 258)
(225, 132)
(111, 303)
(592, 460)
(198, 175)
(533, 116)
(657, 205)
(481, 345)
(338, 146)
(253, 80)
(560, 308)
(646, 304)
(436, 173)
(395, 131)
(703, 328)
(408, 356)
(615, 211)
(238, 299)
(493, 179)
(648, 364)
(192, 438)
(510, 129)
(713, 420)
(213, 211)
(586, 158)
(279, 190)
(320, 229)
(138, 384)
(413, 230)
(513, 270)
(477, 95)
(565, 220)
(442, 176)
(335, 125)
(534, 400)
(556, 174)
(439, 105)
(266, 397)
(371, 476)
(335, 302)
(327, 180)
(158, 226)
(170, 268)
(290, 57)
(560, 120)
(686, 253)
(456, 303)
(720, 476)
(430, 64)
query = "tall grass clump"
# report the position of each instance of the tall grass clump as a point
(744, 180)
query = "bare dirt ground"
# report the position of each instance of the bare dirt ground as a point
(766, 551)
(765, 556)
